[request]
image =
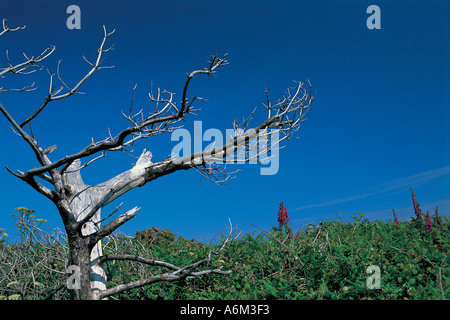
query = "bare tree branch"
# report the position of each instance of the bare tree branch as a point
(178, 273)
(7, 29)
(113, 225)
(130, 257)
(21, 68)
(29, 62)
(40, 155)
(30, 87)
(53, 96)
(287, 118)
(156, 123)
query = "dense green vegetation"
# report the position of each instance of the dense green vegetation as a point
(325, 261)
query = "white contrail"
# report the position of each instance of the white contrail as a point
(387, 186)
(413, 179)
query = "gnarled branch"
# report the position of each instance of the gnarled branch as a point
(178, 273)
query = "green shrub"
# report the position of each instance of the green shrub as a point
(325, 261)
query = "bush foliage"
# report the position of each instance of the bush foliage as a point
(325, 261)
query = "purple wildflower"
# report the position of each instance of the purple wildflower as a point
(282, 215)
(427, 223)
(416, 205)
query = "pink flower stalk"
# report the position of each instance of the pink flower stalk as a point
(427, 223)
(437, 217)
(416, 205)
(282, 215)
(396, 219)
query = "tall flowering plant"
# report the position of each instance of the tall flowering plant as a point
(428, 226)
(396, 219)
(432, 227)
(417, 210)
(438, 223)
(283, 219)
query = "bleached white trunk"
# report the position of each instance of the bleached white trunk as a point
(82, 199)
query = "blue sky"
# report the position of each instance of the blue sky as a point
(378, 126)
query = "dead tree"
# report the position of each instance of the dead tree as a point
(79, 205)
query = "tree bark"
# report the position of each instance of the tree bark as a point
(81, 199)
(79, 253)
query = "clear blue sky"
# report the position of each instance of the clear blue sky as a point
(379, 124)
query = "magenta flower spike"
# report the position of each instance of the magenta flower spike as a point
(282, 215)
(395, 218)
(416, 205)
